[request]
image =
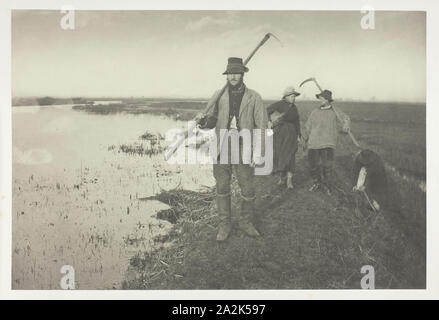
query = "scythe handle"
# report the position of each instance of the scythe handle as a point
(349, 132)
(353, 139)
(266, 37)
(317, 84)
(170, 151)
(209, 106)
(187, 134)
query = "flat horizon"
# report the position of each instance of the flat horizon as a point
(201, 99)
(132, 53)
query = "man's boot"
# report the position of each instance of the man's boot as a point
(282, 179)
(245, 220)
(224, 214)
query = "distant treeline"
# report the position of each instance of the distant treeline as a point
(168, 109)
(366, 112)
(40, 101)
(179, 110)
(107, 109)
(48, 100)
(189, 105)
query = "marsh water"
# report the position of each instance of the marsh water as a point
(79, 201)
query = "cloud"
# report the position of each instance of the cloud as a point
(209, 21)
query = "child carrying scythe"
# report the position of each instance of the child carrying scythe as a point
(320, 136)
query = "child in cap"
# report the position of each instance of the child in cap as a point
(321, 134)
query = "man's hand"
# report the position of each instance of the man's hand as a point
(360, 188)
(346, 125)
(200, 119)
(304, 145)
(257, 161)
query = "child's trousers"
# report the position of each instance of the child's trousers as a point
(320, 164)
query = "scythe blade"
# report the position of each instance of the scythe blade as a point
(305, 81)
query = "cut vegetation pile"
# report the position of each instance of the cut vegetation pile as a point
(149, 145)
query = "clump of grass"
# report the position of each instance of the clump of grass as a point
(102, 109)
(141, 149)
(151, 137)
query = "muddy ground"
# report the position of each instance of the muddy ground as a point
(309, 241)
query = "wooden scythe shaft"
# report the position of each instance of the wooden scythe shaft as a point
(187, 134)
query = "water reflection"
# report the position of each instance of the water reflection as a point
(77, 202)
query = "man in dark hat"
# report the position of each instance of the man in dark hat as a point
(238, 108)
(321, 133)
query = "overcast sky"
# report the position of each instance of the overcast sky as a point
(183, 53)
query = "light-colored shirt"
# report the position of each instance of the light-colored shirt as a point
(321, 128)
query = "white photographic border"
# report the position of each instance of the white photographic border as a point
(432, 100)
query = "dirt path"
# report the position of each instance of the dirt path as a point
(309, 241)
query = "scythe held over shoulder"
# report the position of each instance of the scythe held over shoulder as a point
(170, 151)
(364, 168)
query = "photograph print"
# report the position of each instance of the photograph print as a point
(218, 149)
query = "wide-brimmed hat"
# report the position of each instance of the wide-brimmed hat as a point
(235, 65)
(289, 91)
(326, 94)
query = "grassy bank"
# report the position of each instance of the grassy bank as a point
(309, 241)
